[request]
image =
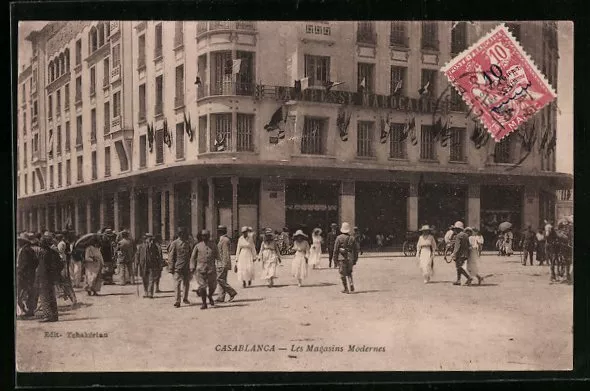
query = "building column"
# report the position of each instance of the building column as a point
(473, 206)
(101, 210)
(212, 212)
(234, 206)
(346, 202)
(56, 225)
(30, 218)
(172, 220)
(150, 206)
(132, 225)
(46, 216)
(77, 217)
(530, 213)
(196, 206)
(116, 211)
(88, 215)
(163, 214)
(39, 211)
(272, 197)
(412, 207)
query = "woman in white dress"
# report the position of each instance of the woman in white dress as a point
(270, 256)
(299, 265)
(472, 264)
(315, 252)
(93, 264)
(245, 256)
(425, 252)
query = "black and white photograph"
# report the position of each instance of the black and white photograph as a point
(294, 196)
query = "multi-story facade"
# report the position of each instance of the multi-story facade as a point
(166, 129)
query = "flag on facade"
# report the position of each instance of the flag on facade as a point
(384, 131)
(198, 81)
(544, 140)
(301, 84)
(331, 84)
(229, 67)
(220, 143)
(236, 66)
(363, 85)
(50, 143)
(188, 127)
(342, 122)
(424, 90)
(398, 87)
(421, 189)
(551, 144)
(275, 120)
(412, 131)
(167, 136)
(150, 136)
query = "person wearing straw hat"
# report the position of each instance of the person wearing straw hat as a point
(330, 239)
(301, 259)
(204, 260)
(179, 255)
(125, 254)
(315, 252)
(245, 255)
(224, 265)
(473, 260)
(48, 272)
(344, 249)
(426, 247)
(270, 256)
(26, 266)
(461, 253)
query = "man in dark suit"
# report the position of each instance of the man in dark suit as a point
(461, 253)
(202, 263)
(179, 257)
(149, 264)
(330, 240)
(224, 265)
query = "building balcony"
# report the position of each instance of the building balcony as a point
(320, 32)
(37, 157)
(116, 124)
(430, 45)
(178, 101)
(367, 37)
(114, 27)
(224, 26)
(397, 41)
(226, 88)
(115, 73)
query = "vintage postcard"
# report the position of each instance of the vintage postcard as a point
(241, 196)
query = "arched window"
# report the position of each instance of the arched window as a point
(62, 64)
(107, 29)
(67, 60)
(93, 40)
(100, 34)
(50, 71)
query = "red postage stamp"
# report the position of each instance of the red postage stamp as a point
(500, 82)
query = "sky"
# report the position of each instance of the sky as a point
(565, 87)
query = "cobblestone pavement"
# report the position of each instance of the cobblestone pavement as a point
(516, 320)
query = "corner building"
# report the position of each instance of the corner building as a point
(105, 130)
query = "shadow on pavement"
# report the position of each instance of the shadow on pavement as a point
(71, 320)
(116, 294)
(220, 305)
(246, 300)
(68, 307)
(484, 284)
(162, 297)
(440, 282)
(318, 285)
(172, 291)
(266, 286)
(367, 291)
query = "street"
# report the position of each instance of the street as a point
(516, 320)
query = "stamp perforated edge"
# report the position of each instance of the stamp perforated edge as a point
(521, 51)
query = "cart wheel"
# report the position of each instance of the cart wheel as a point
(407, 248)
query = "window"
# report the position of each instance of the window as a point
(107, 161)
(429, 35)
(221, 132)
(158, 41)
(68, 173)
(58, 134)
(24, 123)
(245, 139)
(79, 130)
(25, 155)
(92, 81)
(397, 142)
(459, 38)
(67, 136)
(141, 51)
(80, 163)
(50, 107)
(179, 92)
(106, 71)
(116, 55)
(94, 168)
(58, 103)
(366, 72)
(26, 184)
(178, 34)
(502, 151)
(245, 79)
(50, 144)
(93, 125)
(79, 89)
(142, 151)
(35, 110)
(67, 97)
(366, 33)
(398, 80)
(427, 143)
(107, 118)
(78, 52)
(159, 95)
(34, 180)
(364, 141)
(514, 28)
(100, 34)
(399, 35)
(317, 69)
(180, 140)
(203, 134)
(457, 103)
(429, 78)
(93, 38)
(51, 177)
(159, 140)
(116, 104)
(457, 146)
(59, 173)
(36, 143)
(142, 104)
(312, 142)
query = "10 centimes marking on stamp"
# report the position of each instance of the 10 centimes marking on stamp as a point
(497, 78)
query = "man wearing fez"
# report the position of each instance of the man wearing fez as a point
(202, 263)
(461, 253)
(224, 265)
(149, 264)
(125, 255)
(179, 257)
(330, 239)
(106, 249)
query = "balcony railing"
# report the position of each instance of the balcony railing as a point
(399, 40)
(203, 27)
(106, 128)
(116, 122)
(179, 101)
(430, 44)
(105, 82)
(366, 36)
(116, 72)
(114, 27)
(227, 88)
